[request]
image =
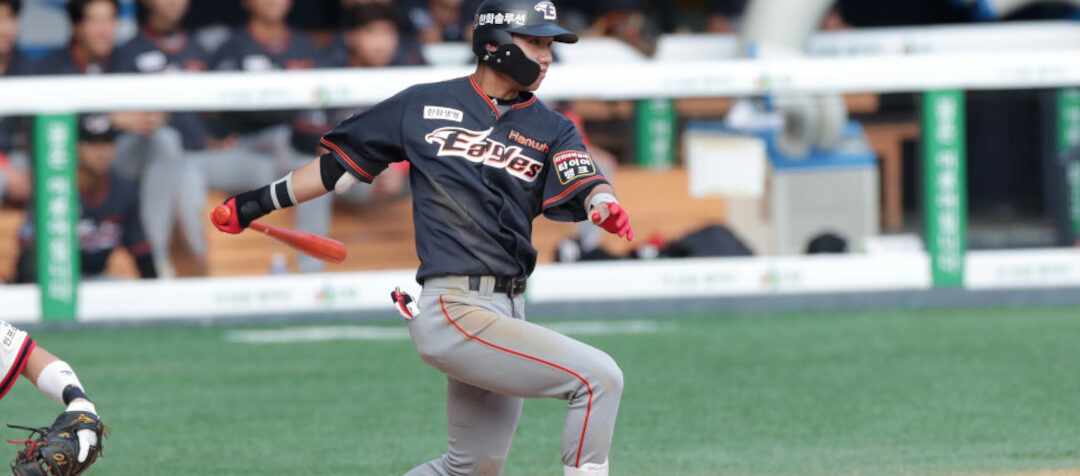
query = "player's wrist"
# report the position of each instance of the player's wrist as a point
(599, 198)
(252, 205)
(82, 405)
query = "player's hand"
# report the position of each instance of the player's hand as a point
(404, 303)
(612, 218)
(245, 208)
(233, 226)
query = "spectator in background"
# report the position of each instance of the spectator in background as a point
(371, 38)
(625, 20)
(93, 28)
(722, 15)
(260, 151)
(152, 152)
(442, 20)
(108, 208)
(406, 50)
(14, 183)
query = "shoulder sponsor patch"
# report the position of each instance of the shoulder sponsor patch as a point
(442, 113)
(573, 164)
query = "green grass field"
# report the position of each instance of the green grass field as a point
(902, 392)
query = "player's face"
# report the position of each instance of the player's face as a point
(269, 11)
(98, 28)
(373, 44)
(171, 10)
(9, 29)
(536, 48)
(96, 157)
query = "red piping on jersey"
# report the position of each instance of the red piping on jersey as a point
(347, 159)
(571, 189)
(524, 104)
(588, 406)
(483, 95)
(20, 363)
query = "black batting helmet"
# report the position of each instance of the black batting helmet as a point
(497, 20)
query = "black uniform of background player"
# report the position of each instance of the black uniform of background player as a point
(108, 218)
(153, 52)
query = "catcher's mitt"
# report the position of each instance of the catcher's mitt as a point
(54, 451)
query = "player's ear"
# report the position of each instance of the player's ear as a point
(492, 46)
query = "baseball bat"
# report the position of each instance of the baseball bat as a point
(315, 246)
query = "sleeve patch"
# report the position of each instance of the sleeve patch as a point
(572, 165)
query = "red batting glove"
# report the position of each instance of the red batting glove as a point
(233, 226)
(617, 221)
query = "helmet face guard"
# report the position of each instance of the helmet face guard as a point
(497, 21)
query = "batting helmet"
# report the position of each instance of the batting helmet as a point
(497, 20)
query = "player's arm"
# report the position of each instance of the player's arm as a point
(310, 181)
(361, 147)
(56, 379)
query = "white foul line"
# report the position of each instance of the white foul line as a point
(328, 333)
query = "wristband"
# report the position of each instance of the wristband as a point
(601, 198)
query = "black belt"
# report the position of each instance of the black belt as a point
(509, 285)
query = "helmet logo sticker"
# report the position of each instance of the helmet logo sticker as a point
(547, 8)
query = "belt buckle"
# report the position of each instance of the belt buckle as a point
(516, 286)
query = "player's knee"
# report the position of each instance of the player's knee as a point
(610, 377)
(167, 142)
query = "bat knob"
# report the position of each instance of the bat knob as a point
(222, 215)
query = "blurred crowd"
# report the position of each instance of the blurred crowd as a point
(144, 176)
(171, 160)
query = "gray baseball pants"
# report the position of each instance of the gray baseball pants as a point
(493, 359)
(154, 162)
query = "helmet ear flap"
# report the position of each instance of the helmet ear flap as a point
(508, 59)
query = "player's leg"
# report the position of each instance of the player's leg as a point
(155, 161)
(466, 335)
(481, 424)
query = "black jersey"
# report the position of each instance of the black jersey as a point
(10, 126)
(67, 61)
(245, 53)
(108, 219)
(150, 52)
(479, 177)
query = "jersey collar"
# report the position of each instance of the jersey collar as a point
(521, 105)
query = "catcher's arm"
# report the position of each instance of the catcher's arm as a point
(57, 380)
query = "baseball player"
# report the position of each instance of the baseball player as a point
(20, 355)
(153, 151)
(263, 150)
(14, 183)
(108, 209)
(486, 157)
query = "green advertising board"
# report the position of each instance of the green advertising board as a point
(56, 212)
(945, 185)
(1068, 126)
(655, 132)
